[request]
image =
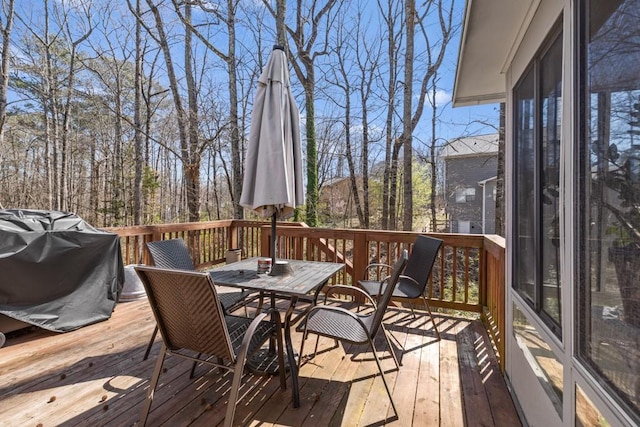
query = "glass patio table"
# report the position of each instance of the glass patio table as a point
(304, 280)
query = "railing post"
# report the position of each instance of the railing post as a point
(360, 256)
(265, 241)
(232, 237)
(482, 276)
(493, 301)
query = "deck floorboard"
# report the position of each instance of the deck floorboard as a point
(96, 376)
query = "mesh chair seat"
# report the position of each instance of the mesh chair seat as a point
(235, 299)
(405, 289)
(338, 324)
(237, 327)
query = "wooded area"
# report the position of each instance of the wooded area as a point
(137, 112)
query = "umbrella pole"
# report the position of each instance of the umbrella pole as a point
(273, 240)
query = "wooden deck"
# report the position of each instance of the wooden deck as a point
(96, 376)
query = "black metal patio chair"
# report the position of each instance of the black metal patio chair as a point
(173, 254)
(344, 325)
(191, 320)
(414, 279)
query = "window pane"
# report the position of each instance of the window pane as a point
(587, 415)
(524, 262)
(551, 105)
(464, 195)
(609, 210)
(541, 358)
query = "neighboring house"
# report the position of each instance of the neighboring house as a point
(336, 201)
(569, 74)
(470, 167)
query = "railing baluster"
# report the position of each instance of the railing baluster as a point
(463, 260)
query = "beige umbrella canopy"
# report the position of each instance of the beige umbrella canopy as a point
(273, 185)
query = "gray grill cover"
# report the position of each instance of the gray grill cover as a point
(56, 271)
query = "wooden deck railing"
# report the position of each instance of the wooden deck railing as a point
(468, 274)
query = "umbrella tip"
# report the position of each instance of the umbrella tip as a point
(278, 47)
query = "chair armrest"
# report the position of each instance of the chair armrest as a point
(351, 289)
(376, 265)
(402, 276)
(251, 330)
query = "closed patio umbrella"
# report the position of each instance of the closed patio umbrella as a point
(272, 183)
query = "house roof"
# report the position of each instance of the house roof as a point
(492, 31)
(471, 146)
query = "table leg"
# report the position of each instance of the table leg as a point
(263, 361)
(293, 365)
(272, 348)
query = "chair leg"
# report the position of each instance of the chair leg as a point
(260, 303)
(151, 341)
(193, 368)
(280, 346)
(435, 328)
(393, 353)
(384, 380)
(412, 311)
(238, 370)
(304, 338)
(152, 385)
(233, 394)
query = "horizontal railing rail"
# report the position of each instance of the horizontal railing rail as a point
(467, 276)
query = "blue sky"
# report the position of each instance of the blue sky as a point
(453, 122)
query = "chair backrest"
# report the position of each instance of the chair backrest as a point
(172, 254)
(187, 310)
(392, 282)
(423, 255)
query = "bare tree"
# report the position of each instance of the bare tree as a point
(190, 150)
(7, 12)
(357, 58)
(367, 55)
(95, 127)
(137, 121)
(391, 13)
(406, 139)
(435, 51)
(308, 24)
(500, 174)
(48, 68)
(230, 59)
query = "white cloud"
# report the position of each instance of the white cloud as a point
(442, 97)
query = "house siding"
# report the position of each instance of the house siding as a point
(467, 172)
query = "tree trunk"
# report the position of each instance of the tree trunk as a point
(236, 141)
(137, 124)
(190, 167)
(500, 173)
(192, 171)
(312, 152)
(4, 65)
(432, 159)
(407, 128)
(388, 185)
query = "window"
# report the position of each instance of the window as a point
(464, 227)
(464, 195)
(541, 358)
(608, 212)
(537, 115)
